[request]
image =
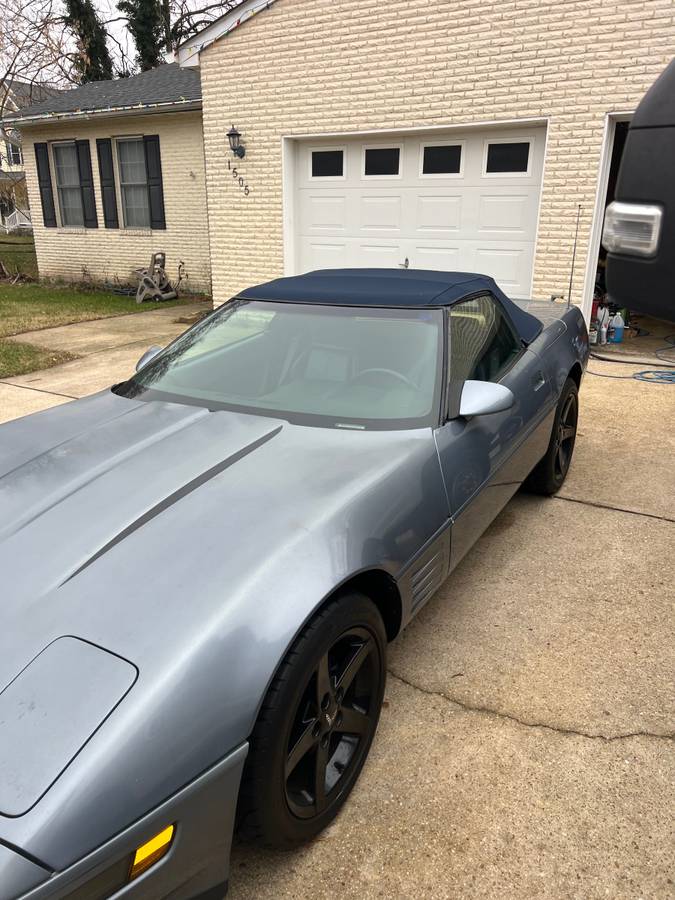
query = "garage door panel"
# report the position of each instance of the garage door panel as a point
(438, 214)
(324, 213)
(380, 212)
(441, 257)
(324, 255)
(509, 266)
(376, 255)
(505, 214)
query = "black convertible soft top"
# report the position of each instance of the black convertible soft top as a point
(391, 287)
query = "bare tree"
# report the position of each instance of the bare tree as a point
(190, 16)
(36, 47)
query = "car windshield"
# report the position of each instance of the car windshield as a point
(310, 364)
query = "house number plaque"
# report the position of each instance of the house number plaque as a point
(238, 178)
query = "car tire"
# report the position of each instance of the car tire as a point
(316, 725)
(549, 474)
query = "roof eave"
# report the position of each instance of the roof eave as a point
(110, 112)
(187, 53)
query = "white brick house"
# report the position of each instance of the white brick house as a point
(454, 134)
(115, 172)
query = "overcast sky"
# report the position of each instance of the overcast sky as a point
(107, 9)
(119, 36)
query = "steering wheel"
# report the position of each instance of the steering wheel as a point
(397, 375)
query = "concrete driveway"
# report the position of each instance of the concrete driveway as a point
(526, 744)
(110, 348)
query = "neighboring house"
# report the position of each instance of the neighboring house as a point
(448, 135)
(14, 212)
(115, 172)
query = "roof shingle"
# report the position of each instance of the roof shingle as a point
(167, 84)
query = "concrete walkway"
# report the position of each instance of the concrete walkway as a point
(110, 349)
(526, 743)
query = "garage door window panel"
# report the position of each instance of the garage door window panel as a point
(507, 157)
(327, 163)
(382, 162)
(440, 160)
(133, 182)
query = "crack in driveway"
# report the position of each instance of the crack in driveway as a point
(622, 509)
(27, 387)
(558, 729)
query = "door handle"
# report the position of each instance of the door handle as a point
(538, 380)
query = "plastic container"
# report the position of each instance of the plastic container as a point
(603, 334)
(603, 316)
(617, 326)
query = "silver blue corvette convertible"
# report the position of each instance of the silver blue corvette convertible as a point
(201, 567)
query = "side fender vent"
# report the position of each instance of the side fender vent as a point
(426, 578)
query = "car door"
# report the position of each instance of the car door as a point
(484, 459)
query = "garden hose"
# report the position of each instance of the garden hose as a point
(664, 375)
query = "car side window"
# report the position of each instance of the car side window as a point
(482, 342)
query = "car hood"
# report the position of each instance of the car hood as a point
(111, 468)
(192, 545)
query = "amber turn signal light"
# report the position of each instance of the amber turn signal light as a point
(151, 852)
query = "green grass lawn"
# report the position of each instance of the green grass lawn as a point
(17, 254)
(19, 359)
(28, 307)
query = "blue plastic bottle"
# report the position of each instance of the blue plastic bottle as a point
(617, 324)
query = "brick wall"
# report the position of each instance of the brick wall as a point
(103, 253)
(322, 66)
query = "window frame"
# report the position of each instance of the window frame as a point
(433, 175)
(117, 139)
(453, 393)
(524, 139)
(57, 193)
(333, 149)
(388, 145)
(13, 148)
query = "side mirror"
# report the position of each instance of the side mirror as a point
(149, 354)
(480, 398)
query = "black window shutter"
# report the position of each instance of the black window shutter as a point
(153, 167)
(106, 174)
(86, 184)
(45, 185)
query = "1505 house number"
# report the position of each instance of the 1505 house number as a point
(238, 178)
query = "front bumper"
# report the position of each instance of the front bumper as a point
(197, 861)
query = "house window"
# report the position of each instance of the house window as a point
(328, 163)
(508, 157)
(442, 159)
(13, 154)
(68, 185)
(133, 182)
(381, 161)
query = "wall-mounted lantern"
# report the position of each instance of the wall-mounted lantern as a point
(234, 137)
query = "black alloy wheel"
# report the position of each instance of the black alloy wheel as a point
(316, 725)
(566, 435)
(549, 474)
(333, 723)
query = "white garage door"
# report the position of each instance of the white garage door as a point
(452, 201)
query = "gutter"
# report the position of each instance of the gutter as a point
(139, 109)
